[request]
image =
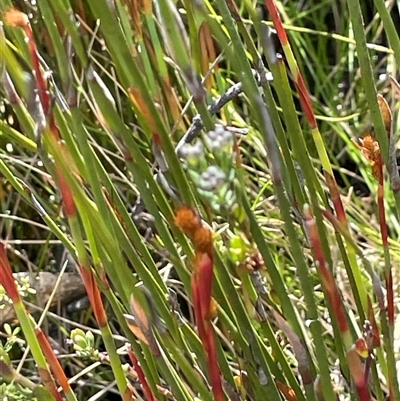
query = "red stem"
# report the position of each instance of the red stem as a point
(94, 295)
(6, 276)
(141, 377)
(53, 361)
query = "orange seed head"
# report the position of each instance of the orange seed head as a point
(187, 220)
(203, 241)
(16, 18)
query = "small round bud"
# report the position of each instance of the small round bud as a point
(78, 337)
(219, 138)
(90, 339)
(212, 178)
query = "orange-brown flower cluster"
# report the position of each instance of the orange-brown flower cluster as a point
(369, 145)
(188, 220)
(190, 223)
(16, 18)
(372, 152)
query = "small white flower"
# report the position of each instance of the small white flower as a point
(219, 138)
(192, 151)
(212, 178)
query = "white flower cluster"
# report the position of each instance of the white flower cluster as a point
(210, 164)
(192, 152)
(212, 178)
(219, 138)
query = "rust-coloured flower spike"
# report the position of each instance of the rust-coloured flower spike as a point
(369, 145)
(187, 220)
(372, 152)
(16, 18)
(203, 241)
